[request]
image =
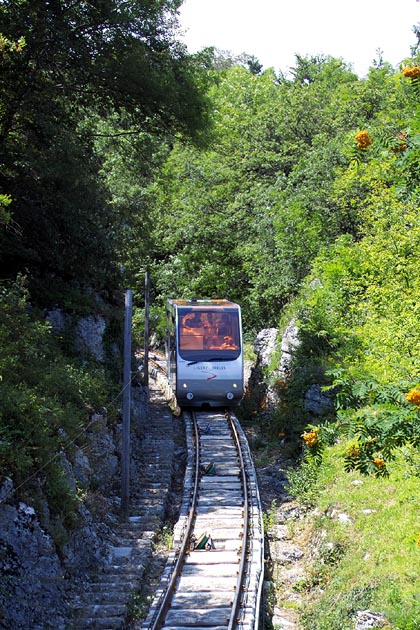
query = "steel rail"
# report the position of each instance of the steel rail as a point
(234, 620)
(182, 552)
(153, 362)
(244, 607)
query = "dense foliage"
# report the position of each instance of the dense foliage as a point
(66, 65)
(296, 195)
(246, 217)
(88, 91)
(46, 403)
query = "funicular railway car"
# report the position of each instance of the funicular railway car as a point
(204, 352)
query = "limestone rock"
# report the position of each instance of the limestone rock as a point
(366, 620)
(264, 345)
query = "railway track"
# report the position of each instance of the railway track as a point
(213, 579)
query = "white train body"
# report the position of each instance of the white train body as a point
(205, 352)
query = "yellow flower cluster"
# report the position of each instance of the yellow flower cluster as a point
(411, 72)
(363, 140)
(413, 397)
(354, 451)
(311, 437)
(380, 463)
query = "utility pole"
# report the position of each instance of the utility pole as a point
(125, 455)
(146, 328)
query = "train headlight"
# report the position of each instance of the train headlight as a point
(190, 396)
(229, 396)
(234, 386)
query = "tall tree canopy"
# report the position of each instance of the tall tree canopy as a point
(107, 54)
(245, 217)
(65, 62)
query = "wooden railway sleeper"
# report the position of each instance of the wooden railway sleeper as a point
(241, 587)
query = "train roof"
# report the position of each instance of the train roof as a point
(175, 303)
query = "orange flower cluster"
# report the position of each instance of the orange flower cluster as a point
(401, 138)
(379, 463)
(280, 387)
(413, 397)
(311, 437)
(411, 72)
(363, 140)
(418, 541)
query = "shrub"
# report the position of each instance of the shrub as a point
(46, 401)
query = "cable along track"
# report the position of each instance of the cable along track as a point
(213, 578)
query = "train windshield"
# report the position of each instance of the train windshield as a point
(207, 334)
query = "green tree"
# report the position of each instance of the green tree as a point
(81, 61)
(246, 216)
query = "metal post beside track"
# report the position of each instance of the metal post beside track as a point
(125, 450)
(146, 328)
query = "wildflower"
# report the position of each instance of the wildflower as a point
(311, 437)
(379, 463)
(354, 451)
(411, 72)
(418, 541)
(280, 387)
(413, 397)
(401, 139)
(363, 139)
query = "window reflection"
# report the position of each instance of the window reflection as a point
(209, 330)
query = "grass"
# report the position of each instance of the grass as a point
(366, 547)
(269, 518)
(164, 539)
(249, 354)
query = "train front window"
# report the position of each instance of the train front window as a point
(206, 334)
